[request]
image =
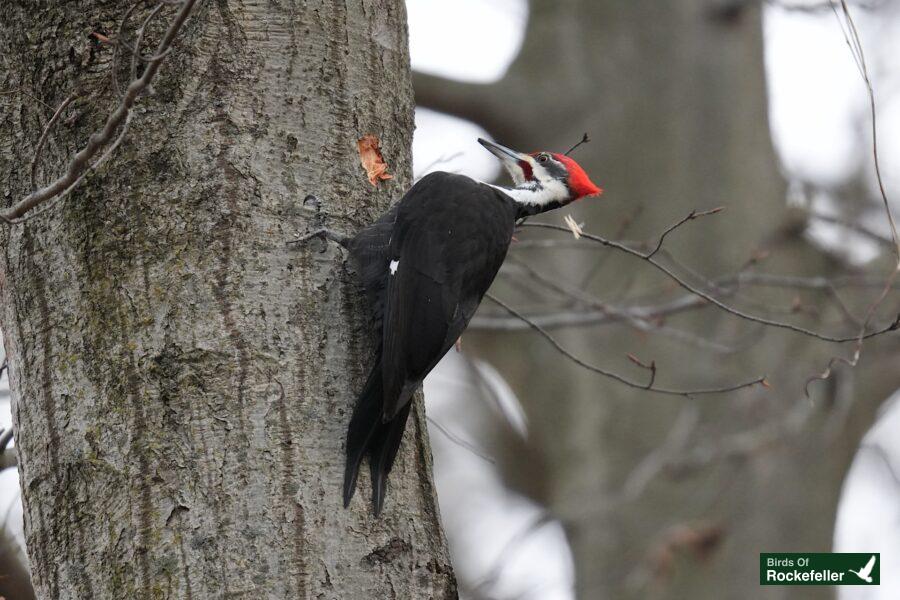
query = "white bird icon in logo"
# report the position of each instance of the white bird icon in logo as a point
(866, 572)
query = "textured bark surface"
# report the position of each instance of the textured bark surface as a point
(182, 380)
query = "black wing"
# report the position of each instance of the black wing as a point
(448, 236)
(449, 239)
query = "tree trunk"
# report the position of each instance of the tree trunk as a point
(182, 379)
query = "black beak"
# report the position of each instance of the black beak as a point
(502, 152)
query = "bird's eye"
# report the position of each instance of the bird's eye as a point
(543, 158)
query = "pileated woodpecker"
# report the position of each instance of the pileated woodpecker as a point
(425, 266)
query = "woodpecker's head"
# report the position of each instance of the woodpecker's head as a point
(543, 179)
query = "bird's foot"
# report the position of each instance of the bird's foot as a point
(322, 233)
(458, 344)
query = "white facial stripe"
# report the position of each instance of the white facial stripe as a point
(393, 266)
(549, 191)
(539, 171)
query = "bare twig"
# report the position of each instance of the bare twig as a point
(136, 54)
(650, 367)
(81, 162)
(120, 42)
(851, 225)
(712, 299)
(646, 319)
(460, 441)
(615, 376)
(576, 318)
(857, 351)
(625, 223)
(810, 6)
(584, 140)
(690, 217)
(851, 36)
(799, 282)
(46, 132)
(642, 318)
(23, 92)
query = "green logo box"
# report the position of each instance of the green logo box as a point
(819, 568)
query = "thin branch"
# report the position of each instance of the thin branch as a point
(623, 227)
(615, 376)
(809, 283)
(460, 441)
(690, 217)
(810, 6)
(851, 225)
(584, 140)
(712, 299)
(644, 319)
(20, 90)
(80, 164)
(136, 54)
(857, 351)
(851, 36)
(45, 134)
(650, 367)
(562, 319)
(120, 42)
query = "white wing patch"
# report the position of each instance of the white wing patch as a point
(394, 265)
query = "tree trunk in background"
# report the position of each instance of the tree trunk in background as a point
(182, 380)
(673, 95)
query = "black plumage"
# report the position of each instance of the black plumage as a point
(425, 266)
(446, 240)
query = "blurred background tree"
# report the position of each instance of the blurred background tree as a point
(661, 496)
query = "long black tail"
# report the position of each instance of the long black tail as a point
(368, 434)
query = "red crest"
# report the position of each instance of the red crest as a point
(579, 182)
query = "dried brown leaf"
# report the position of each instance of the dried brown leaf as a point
(372, 160)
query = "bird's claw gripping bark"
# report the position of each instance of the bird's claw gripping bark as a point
(320, 232)
(325, 234)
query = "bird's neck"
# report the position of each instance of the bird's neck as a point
(534, 197)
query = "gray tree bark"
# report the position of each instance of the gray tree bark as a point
(181, 379)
